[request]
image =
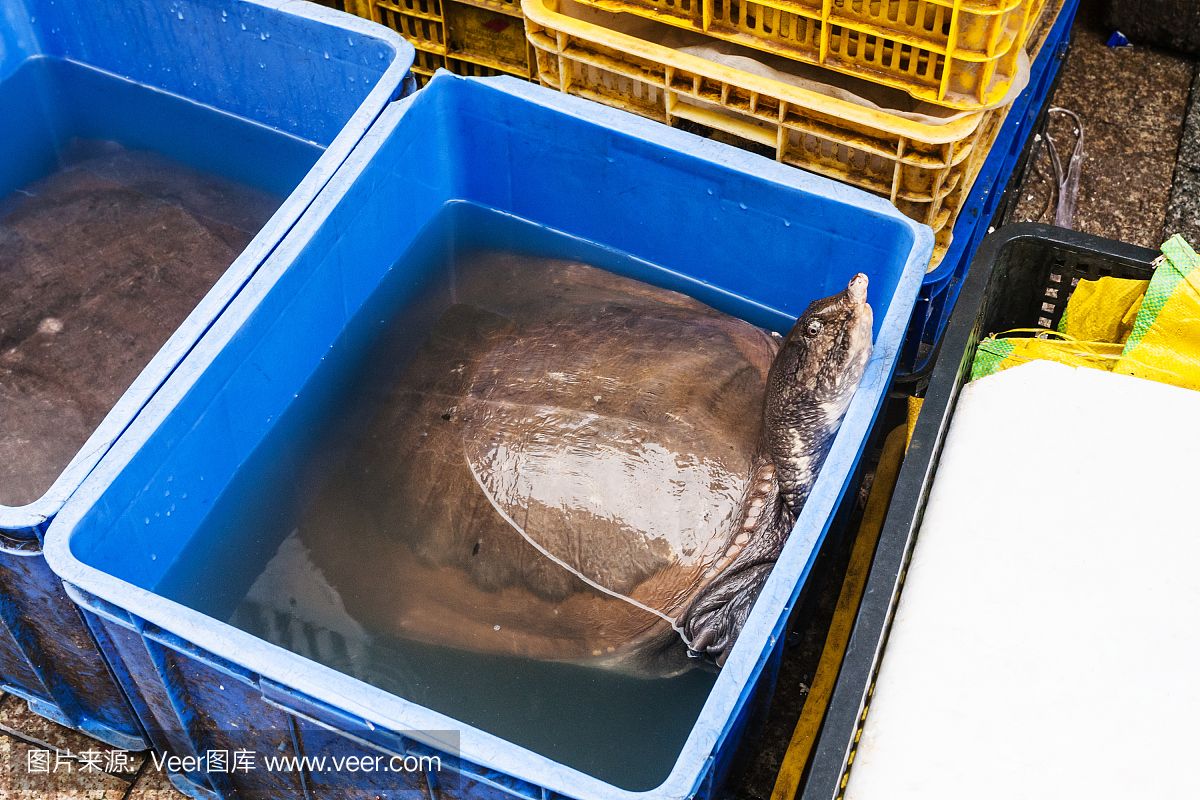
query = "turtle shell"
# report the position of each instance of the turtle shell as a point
(563, 436)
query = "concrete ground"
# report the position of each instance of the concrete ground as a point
(1140, 173)
(40, 760)
(1140, 183)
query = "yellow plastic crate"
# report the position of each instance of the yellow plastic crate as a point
(468, 37)
(924, 169)
(959, 53)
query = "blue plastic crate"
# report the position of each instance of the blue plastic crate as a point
(294, 73)
(237, 415)
(943, 284)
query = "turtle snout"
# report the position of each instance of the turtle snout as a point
(856, 290)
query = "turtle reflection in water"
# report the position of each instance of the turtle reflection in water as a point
(581, 467)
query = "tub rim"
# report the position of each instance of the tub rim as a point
(309, 679)
(27, 522)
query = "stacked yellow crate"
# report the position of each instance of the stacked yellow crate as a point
(468, 37)
(940, 75)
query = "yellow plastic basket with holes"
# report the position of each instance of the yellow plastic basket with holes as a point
(960, 53)
(468, 37)
(925, 170)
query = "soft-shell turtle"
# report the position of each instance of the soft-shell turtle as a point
(588, 472)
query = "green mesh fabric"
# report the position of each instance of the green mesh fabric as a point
(989, 356)
(1179, 260)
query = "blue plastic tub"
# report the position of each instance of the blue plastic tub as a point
(737, 231)
(943, 284)
(225, 86)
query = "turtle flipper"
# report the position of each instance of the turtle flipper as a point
(714, 619)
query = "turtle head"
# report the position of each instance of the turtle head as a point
(810, 385)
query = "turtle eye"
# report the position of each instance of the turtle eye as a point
(814, 327)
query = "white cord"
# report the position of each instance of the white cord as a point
(537, 546)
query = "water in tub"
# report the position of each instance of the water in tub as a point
(315, 563)
(106, 245)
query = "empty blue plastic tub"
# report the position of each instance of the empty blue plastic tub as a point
(273, 94)
(740, 232)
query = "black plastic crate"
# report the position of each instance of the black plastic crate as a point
(1021, 277)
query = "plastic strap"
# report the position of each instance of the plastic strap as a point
(1066, 185)
(541, 549)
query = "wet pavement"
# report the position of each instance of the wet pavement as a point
(41, 759)
(1132, 102)
(1140, 183)
(1183, 208)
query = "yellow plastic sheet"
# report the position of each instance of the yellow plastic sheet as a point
(1165, 343)
(997, 353)
(1103, 310)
